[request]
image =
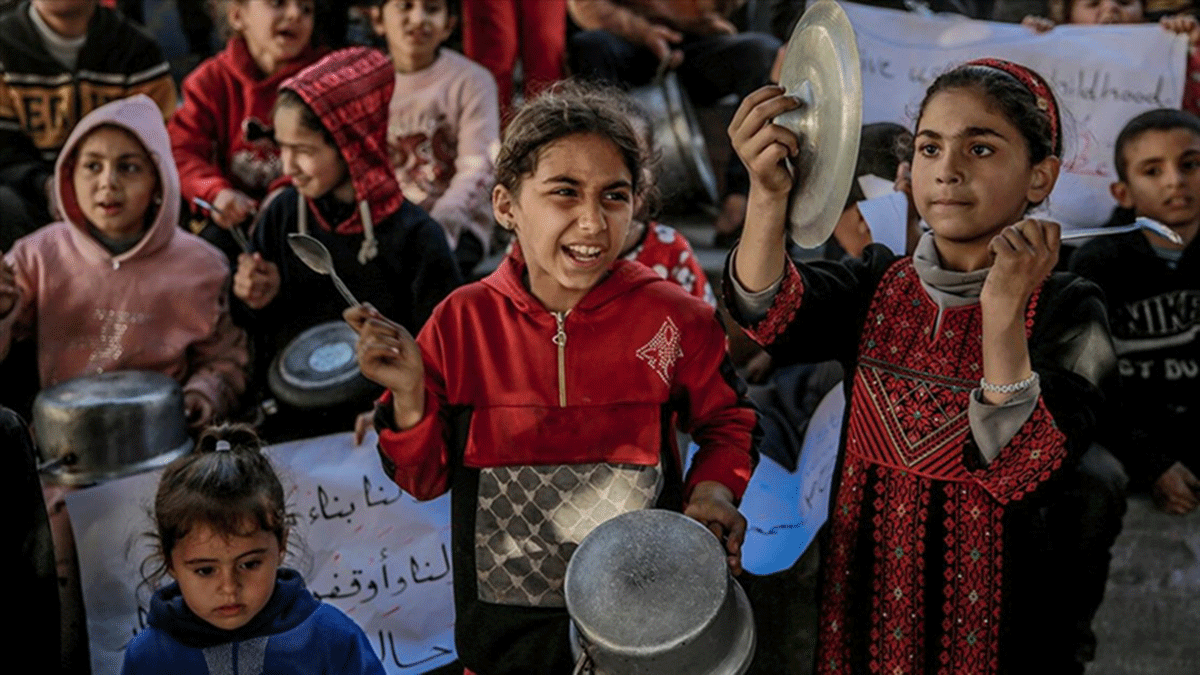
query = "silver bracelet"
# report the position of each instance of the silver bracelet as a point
(1011, 388)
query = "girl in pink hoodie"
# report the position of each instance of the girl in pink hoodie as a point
(117, 285)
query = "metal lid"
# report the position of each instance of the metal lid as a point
(319, 368)
(822, 69)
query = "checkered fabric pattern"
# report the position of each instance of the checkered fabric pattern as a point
(530, 520)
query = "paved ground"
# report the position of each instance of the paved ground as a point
(1150, 620)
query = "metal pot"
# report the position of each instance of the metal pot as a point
(649, 593)
(319, 369)
(100, 427)
(685, 176)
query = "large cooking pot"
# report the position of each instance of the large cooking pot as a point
(649, 593)
(319, 369)
(685, 176)
(100, 427)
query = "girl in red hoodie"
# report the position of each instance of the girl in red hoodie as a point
(228, 98)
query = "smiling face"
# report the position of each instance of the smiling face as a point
(1162, 177)
(1091, 12)
(115, 181)
(275, 31)
(226, 581)
(315, 166)
(971, 173)
(570, 216)
(414, 29)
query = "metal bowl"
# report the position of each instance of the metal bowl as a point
(649, 593)
(101, 427)
(685, 177)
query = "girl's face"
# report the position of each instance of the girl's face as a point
(414, 29)
(1093, 12)
(275, 31)
(115, 181)
(315, 166)
(225, 581)
(570, 216)
(971, 173)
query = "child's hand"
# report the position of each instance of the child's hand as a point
(1038, 24)
(1177, 490)
(762, 145)
(1023, 255)
(256, 281)
(712, 505)
(8, 288)
(232, 207)
(660, 40)
(362, 423)
(198, 410)
(388, 355)
(1183, 24)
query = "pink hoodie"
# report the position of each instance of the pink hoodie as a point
(161, 306)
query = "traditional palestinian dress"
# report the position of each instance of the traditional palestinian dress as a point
(934, 558)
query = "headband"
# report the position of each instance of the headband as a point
(1031, 81)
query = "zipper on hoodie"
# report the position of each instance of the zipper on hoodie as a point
(560, 339)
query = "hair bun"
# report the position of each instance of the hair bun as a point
(229, 437)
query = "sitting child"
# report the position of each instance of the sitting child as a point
(443, 123)
(59, 60)
(227, 100)
(117, 285)
(329, 123)
(222, 532)
(562, 369)
(1153, 294)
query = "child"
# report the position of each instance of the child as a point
(222, 534)
(117, 285)
(1153, 294)
(936, 561)
(228, 98)
(59, 60)
(329, 123)
(443, 123)
(553, 381)
(1102, 12)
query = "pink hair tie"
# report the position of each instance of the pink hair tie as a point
(1031, 81)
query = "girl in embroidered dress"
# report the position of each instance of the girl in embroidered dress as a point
(544, 394)
(973, 379)
(222, 533)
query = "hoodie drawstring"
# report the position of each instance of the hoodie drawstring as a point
(370, 246)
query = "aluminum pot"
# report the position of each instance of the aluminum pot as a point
(649, 593)
(319, 369)
(685, 176)
(99, 427)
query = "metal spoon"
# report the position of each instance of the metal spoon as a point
(1140, 223)
(313, 253)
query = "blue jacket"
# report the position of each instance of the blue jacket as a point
(295, 634)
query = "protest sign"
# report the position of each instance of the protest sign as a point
(363, 545)
(1102, 75)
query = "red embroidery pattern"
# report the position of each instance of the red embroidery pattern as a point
(898, 633)
(833, 649)
(905, 446)
(1033, 455)
(783, 309)
(971, 596)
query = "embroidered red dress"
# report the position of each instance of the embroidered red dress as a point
(932, 559)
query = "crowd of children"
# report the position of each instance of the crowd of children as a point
(995, 407)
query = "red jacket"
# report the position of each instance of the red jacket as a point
(208, 133)
(637, 348)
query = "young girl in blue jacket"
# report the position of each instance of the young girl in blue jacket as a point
(233, 610)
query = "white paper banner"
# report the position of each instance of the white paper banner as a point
(380, 556)
(1102, 75)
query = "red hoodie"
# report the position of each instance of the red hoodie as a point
(222, 97)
